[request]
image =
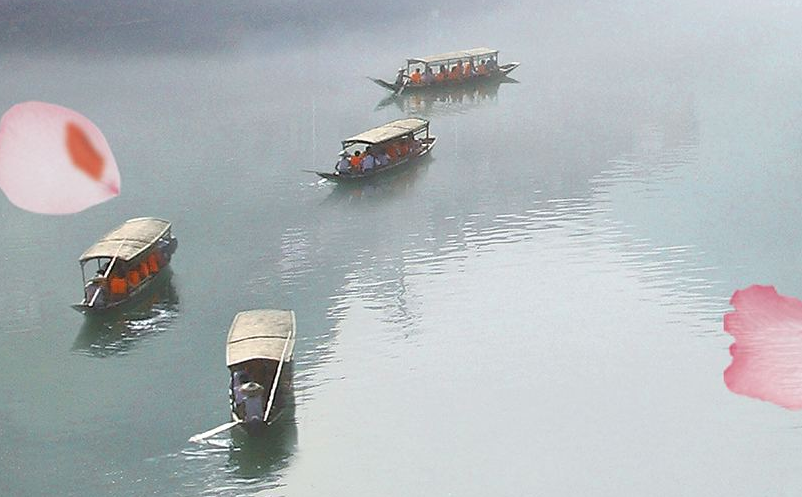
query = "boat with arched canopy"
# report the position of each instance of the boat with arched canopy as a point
(466, 67)
(391, 146)
(128, 258)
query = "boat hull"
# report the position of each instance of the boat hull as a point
(143, 290)
(378, 172)
(502, 73)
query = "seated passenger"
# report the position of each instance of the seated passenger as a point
(403, 148)
(368, 161)
(382, 158)
(117, 285)
(441, 76)
(469, 70)
(344, 164)
(428, 76)
(153, 263)
(456, 72)
(238, 379)
(133, 277)
(492, 65)
(482, 69)
(415, 146)
(101, 271)
(355, 160)
(416, 76)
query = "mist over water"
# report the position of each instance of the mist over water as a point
(536, 309)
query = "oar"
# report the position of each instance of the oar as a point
(200, 437)
(108, 270)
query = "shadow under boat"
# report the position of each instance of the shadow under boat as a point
(120, 329)
(446, 99)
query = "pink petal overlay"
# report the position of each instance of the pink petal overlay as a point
(53, 160)
(767, 353)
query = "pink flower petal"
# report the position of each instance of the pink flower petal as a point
(767, 353)
(53, 160)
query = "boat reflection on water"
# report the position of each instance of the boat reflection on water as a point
(446, 100)
(269, 451)
(117, 331)
(390, 184)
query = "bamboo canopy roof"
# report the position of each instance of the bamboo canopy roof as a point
(463, 54)
(261, 334)
(128, 240)
(388, 131)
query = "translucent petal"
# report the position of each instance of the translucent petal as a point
(53, 160)
(767, 353)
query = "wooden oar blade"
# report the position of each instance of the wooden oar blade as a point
(200, 437)
(384, 84)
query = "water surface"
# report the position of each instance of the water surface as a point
(537, 309)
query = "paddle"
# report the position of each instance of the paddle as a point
(200, 437)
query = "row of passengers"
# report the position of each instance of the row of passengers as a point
(360, 162)
(459, 71)
(120, 282)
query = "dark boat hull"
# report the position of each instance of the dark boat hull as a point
(378, 172)
(144, 289)
(502, 73)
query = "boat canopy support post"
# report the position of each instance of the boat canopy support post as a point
(278, 374)
(108, 271)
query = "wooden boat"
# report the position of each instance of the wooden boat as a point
(129, 258)
(259, 357)
(395, 144)
(484, 60)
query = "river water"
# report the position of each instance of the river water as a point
(536, 310)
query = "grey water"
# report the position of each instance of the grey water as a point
(536, 310)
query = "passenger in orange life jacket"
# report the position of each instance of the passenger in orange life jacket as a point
(416, 76)
(403, 147)
(392, 152)
(469, 70)
(133, 277)
(153, 263)
(456, 72)
(482, 69)
(441, 75)
(355, 161)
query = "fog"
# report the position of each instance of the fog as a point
(537, 309)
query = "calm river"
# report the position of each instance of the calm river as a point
(537, 310)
